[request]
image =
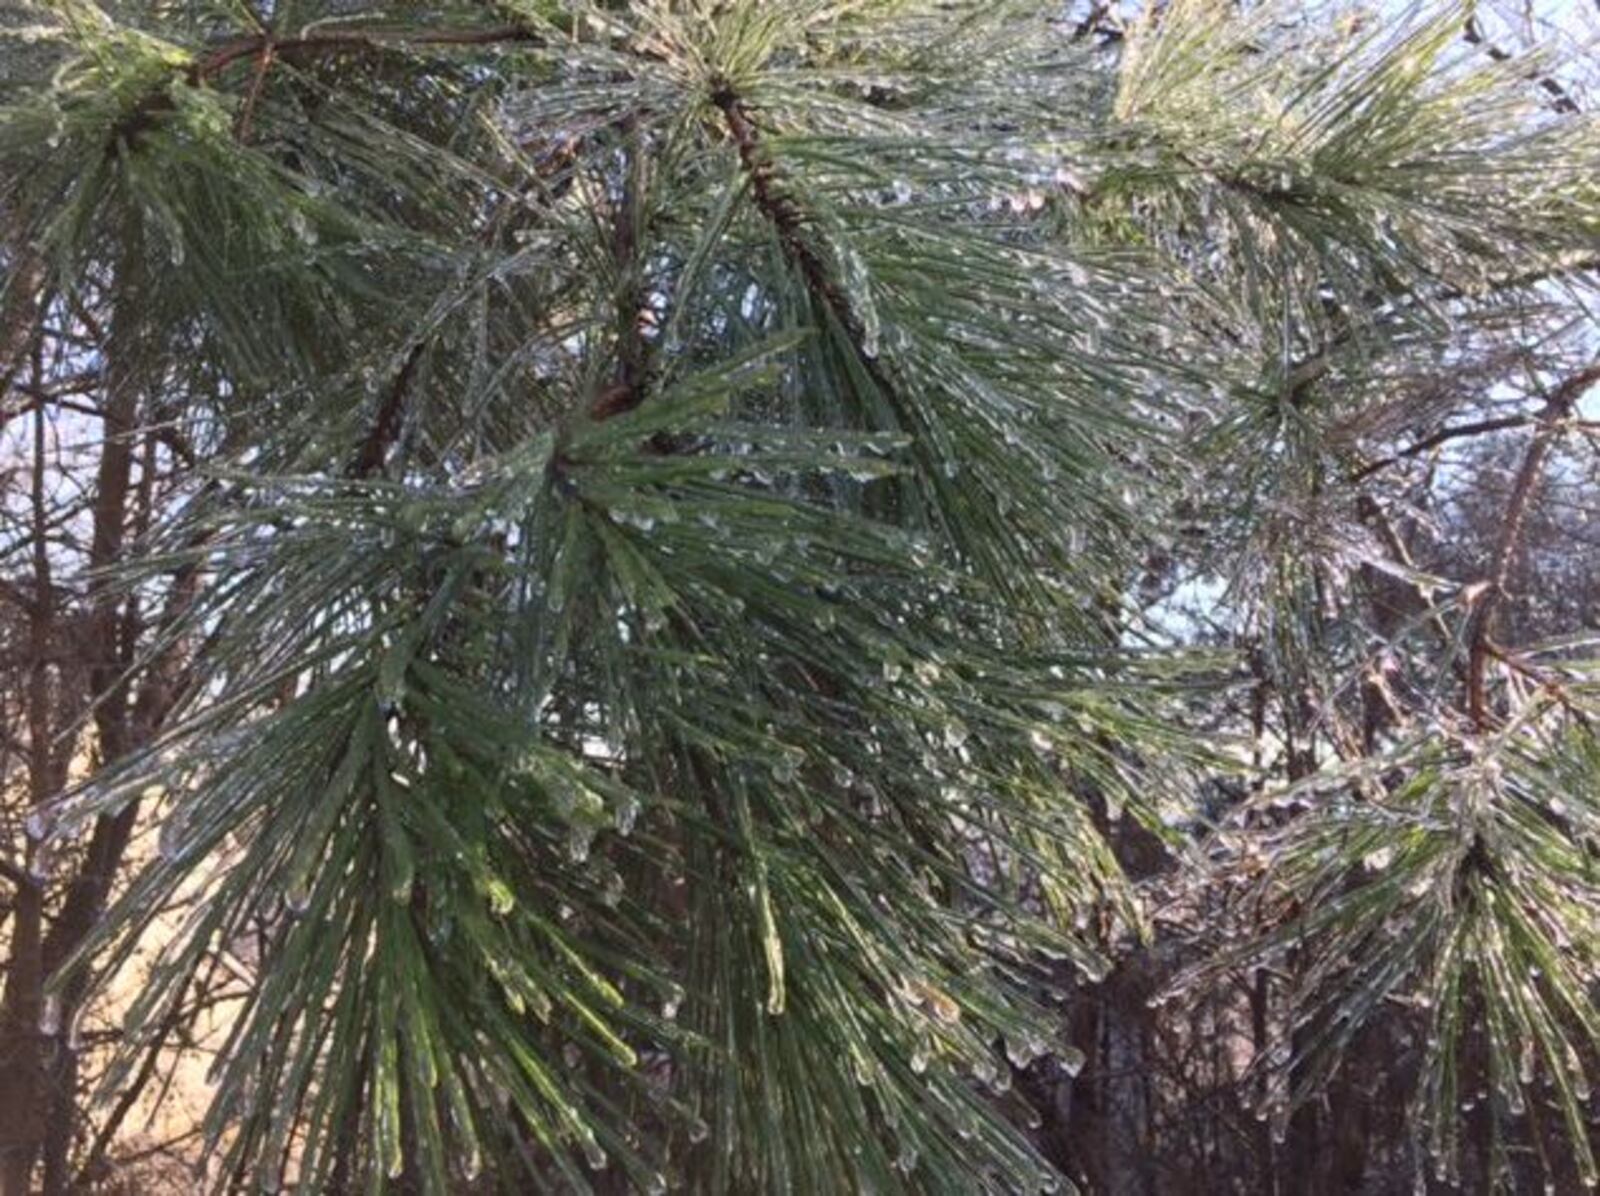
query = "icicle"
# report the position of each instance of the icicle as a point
(984, 1070)
(626, 814)
(1378, 859)
(919, 1060)
(862, 1069)
(169, 841)
(771, 943)
(1023, 1051)
(906, 1162)
(297, 898)
(672, 1003)
(501, 899)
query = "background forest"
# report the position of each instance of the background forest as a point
(744, 596)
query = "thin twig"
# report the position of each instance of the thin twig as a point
(258, 80)
(1451, 433)
(332, 41)
(143, 115)
(1557, 407)
(630, 382)
(1560, 100)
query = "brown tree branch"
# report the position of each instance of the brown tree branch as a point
(1560, 100)
(385, 428)
(258, 80)
(1478, 428)
(334, 41)
(21, 1110)
(629, 385)
(790, 222)
(20, 318)
(1557, 408)
(206, 68)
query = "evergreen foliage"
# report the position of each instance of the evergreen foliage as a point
(668, 491)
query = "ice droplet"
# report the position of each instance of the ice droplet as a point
(40, 861)
(501, 899)
(50, 1016)
(169, 841)
(1023, 1051)
(39, 825)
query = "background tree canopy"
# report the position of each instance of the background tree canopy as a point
(798, 596)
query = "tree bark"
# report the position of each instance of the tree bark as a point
(38, 1097)
(21, 1009)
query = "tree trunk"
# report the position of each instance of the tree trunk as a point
(38, 1099)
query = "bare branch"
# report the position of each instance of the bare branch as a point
(1557, 407)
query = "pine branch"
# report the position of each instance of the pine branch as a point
(1309, 370)
(789, 220)
(266, 49)
(336, 41)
